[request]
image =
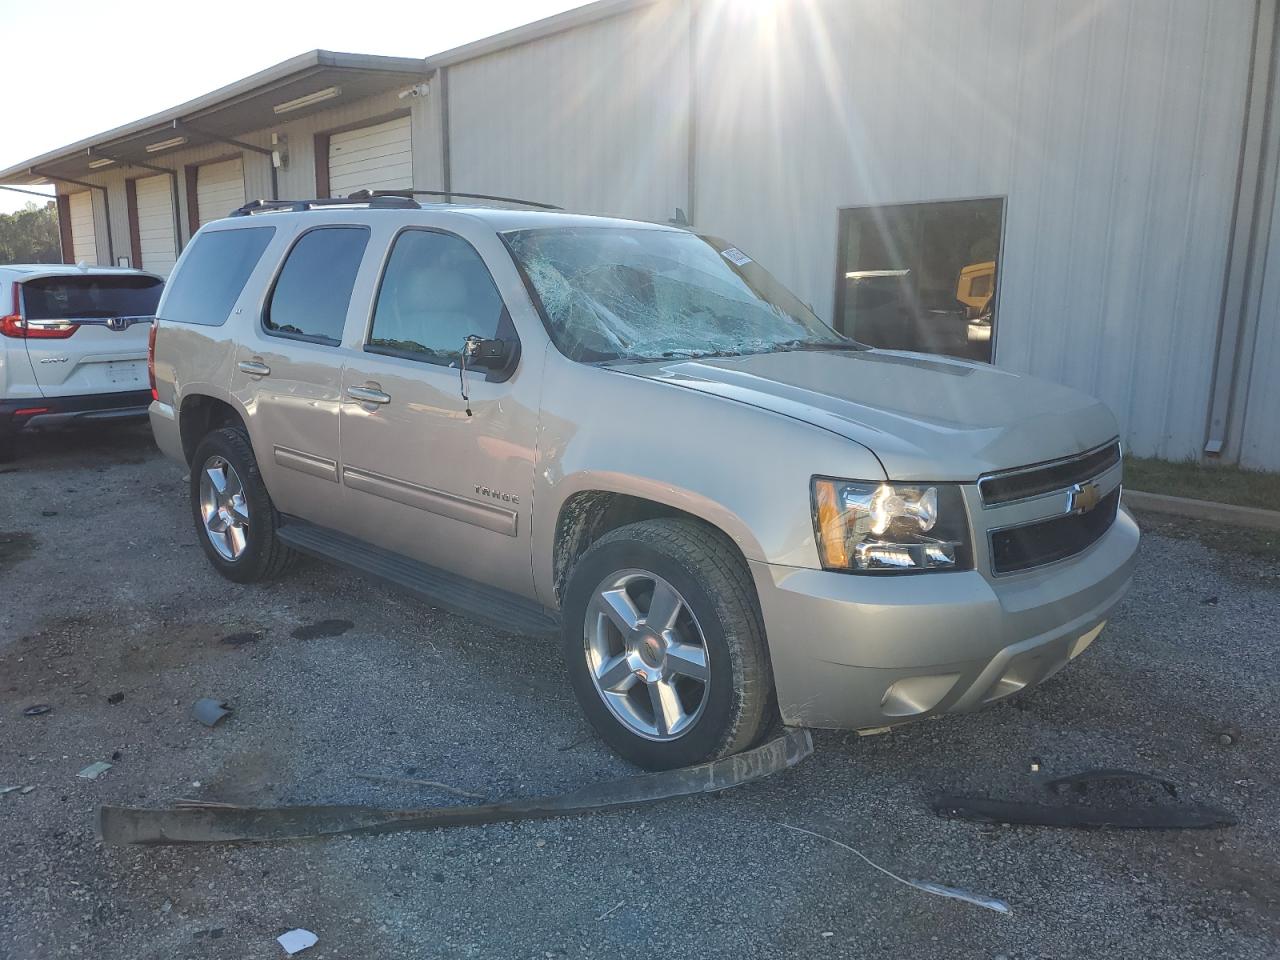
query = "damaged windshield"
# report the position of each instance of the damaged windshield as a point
(631, 293)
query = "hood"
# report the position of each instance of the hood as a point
(924, 417)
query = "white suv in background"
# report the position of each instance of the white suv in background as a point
(73, 345)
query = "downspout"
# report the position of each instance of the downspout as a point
(446, 173)
(691, 159)
(1255, 186)
(173, 184)
(106, 203)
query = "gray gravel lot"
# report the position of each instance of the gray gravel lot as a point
(111, 594)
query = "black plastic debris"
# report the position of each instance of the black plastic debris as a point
(241, 638)
(1122, 799)
(210, 711)
(37, 710)
(115, 698)
(206, 822)
(322, 629)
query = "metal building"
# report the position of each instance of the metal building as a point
(1083, 191)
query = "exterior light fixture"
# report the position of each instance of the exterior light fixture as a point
(166, 144)
(100, 163)
(320, 96)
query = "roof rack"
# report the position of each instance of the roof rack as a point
(448, 194)
(390, 201)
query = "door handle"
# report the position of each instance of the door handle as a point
(255, 368)
(368, 395)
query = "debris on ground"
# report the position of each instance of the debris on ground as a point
(434, 784)
(296, 941)
(115, 698)
(209, 711)
(94, 770)
(37, 710)
(4, 790)
(1125, 799)
(241, 638)
(322, 629)
(927, 886)
(611, 911)
(207, 822)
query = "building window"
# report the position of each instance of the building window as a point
(921, 276)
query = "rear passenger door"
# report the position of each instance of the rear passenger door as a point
(422, 476)
(288, 370)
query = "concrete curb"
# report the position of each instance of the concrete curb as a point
(1254, 518)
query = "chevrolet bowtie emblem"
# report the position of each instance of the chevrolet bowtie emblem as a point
(1082, 498)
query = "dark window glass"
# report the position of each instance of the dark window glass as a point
(921, 276)
(94, 295)
(313, 291)
(213, 274)
(435, 293)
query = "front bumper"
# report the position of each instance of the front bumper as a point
(37, 413)
(859, 652)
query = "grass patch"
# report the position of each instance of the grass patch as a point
(1244, 488)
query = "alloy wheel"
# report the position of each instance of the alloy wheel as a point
(223, 508)
(647, 654)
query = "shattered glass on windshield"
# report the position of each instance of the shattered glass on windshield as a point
(610, 293)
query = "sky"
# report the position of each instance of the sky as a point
(90, 66)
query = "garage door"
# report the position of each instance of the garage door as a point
(371, 158)
(84, 242)
(219, 189)
(156, 241)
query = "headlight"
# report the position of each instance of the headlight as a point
(889, 528)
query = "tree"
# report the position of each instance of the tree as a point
(30, 235)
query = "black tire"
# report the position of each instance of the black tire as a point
(8, 446)
(265, 557)
(709, 574)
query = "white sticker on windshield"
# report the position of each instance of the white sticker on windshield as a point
(735, 256)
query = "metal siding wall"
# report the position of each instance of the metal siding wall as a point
(593, 119)
(1112, 128)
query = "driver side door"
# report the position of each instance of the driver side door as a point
(423, 476)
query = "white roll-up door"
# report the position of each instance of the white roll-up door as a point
(219, 189)
(84, 241)
(156, 241)
(371, 158)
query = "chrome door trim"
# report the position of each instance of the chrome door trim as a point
(485, 515)
(307, 463)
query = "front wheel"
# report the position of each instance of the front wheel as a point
(664, 644)
(234, 517)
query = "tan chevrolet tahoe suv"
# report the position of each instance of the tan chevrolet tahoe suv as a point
(634, 438)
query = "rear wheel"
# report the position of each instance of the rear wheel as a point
(235, 520)
(664, 644)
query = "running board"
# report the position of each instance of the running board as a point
(500, 609)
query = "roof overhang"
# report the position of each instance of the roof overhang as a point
(315, 81)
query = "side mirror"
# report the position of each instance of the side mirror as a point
(489, 354)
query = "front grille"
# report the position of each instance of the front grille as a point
(1046, 478)
(1046, 541)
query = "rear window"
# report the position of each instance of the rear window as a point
(213, 273)
(90, 295)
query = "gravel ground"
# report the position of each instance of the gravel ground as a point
(104, 591)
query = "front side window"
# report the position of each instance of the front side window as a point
(213, 274)
(921, 276)
(630, 293)
(312, 293)
(435, 293)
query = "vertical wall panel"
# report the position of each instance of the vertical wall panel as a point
(1112, 128)
(592, 119)
(84, 242)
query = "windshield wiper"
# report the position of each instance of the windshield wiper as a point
(816, 345)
